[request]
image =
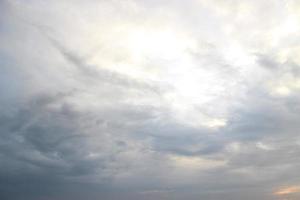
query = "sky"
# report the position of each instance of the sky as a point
(149, 100)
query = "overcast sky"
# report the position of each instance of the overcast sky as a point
(149, 100)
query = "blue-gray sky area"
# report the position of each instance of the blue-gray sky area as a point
(149, 100)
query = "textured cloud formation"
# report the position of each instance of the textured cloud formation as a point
(149, 100)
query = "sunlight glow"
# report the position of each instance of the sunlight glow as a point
(150, 43)
(193, 83)
(197, 163)
(288, 190)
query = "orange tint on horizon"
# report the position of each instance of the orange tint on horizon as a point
(288, 190)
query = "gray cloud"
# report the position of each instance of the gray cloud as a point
(149, 100)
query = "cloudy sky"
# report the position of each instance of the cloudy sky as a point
(149, 99)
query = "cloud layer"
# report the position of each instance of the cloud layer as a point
(149, 100)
